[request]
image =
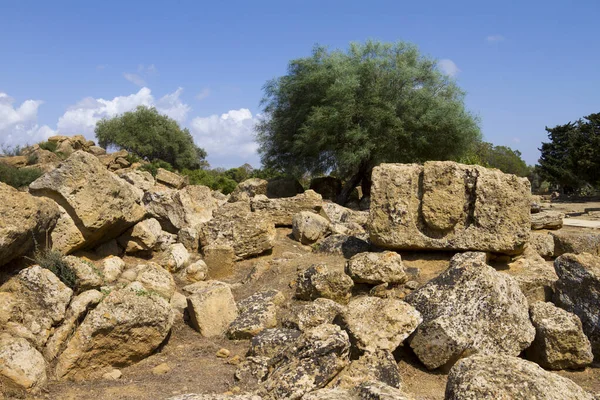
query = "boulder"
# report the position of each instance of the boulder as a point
(308, 227)
(248, 233)
(65, 236)
(283, 187)
(211, 307)
(171, 179)
(143, 236)
(193, 396)
(442, 205)
(376, 268)
(127, 326)
(174, 258)
(547, 220)
(536, 277)
(248, 189)
(341, 245)
(156, 280)
(102, 205)
(306, 316)
(578, 291)
(375, 324)
(195, 272)
(498, 376)
(22, 367)
(328, 187)
(469, 308)
(41, 301)
(142, 180)
(559, 339)
(379, 366)
(176, 209)
(220, 259)
(24, 221)
(319, 281)
(270, 342)
(282, 210)
(87, 275)
(542, 243)
(316, 358)
(111, 268)
(256, 313)
(190, 238)
(576, 242)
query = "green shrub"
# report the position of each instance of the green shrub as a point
(54, 261)
(11, 151)
(50, 146)
(18, 177)
(214, 179)
(32, 159)
(153, 167)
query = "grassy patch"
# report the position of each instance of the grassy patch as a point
(18, 177)
(53, 261)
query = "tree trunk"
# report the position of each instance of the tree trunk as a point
(350, 184)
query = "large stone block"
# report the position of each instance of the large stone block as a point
(442, 205)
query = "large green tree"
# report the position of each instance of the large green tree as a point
(349, 111)
(152, 136)
(571, 159)
(502, 157)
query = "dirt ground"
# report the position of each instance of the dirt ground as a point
(195, 368)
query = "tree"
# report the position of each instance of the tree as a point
(349, 111)
(571, 159)
(501, 157)
(152, 136)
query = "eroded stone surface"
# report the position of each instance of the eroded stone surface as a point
(319, 281)
(376, 268)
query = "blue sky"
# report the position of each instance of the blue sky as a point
(65, 64)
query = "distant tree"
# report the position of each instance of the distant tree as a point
(350, 111)
(571, 159)
(152, 136)
(501, 157)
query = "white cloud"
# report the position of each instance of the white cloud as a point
(101, 67)
(18, 125)
(147, 70)
(134, 78)
(494, 38)
(448, 67)
(204, 93)
(229, 138)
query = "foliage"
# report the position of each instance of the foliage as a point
(18, 177)
(153, 166)
(214, 179)
(501, 157)
(11, 151)
(349, 111)
(50, 146)
(571, 159)
(53, 261)
(151, 136)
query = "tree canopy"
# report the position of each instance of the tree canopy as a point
(501, 157)
(571, 159)
(153, 136)
(349, 111)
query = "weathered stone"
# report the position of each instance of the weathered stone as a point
(318, 281)
(142, 180)
(171, 179)
(22, 367)
(76, 311)
(96, 150)
(111, 268)
(176, 209)
(109, 248)
(282, 210)
(542, 243)
(308, 227)
(547, 220)
(536, 277)
(328, 187)
(247, 189)
(87, 275)
(42, 300)
(318, 356)
(101, 204)
(310, 315)
(576, 242)
(252, 370)
(270, 342)
(193, 396)
(257, 313)
(469, 308)
(376, 268)
(559, 339)
(379, 324)
(330, 394)
(23, 217)
(126, 327)
(175, 257)
(442, 205)
(505, 377)
(195, 272)
(211, 307)
(189, 237)
(283, 187)
(342, 245)
(156, 280)
(65, 236)
(371, 366)
(143, 236)
(380, 391)
(248, 233)
(220, 259)
(578, 291)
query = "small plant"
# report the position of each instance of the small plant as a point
(96, 270)
(50, 146)
(54, 261)
(18, 177)
(132, 158)
(146, 293)
(153, 167)
(32, 159)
